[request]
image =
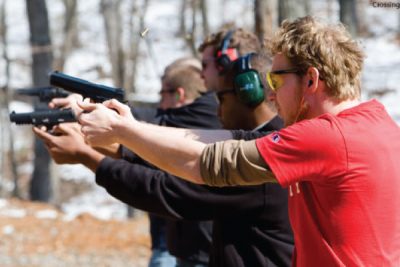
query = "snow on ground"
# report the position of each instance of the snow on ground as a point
(381, 76)
(98, 203)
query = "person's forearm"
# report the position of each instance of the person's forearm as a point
(201, 135)
(91, 159)
(179, 156)
(112, 151)
(174, 150)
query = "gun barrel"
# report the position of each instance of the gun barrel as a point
(96, 92)
(46, 118)
(45, 94)
(34, 91)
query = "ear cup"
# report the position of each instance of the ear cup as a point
(247, 83)
(225, 55)
(223, 64)
(248, 88)
(224, 61)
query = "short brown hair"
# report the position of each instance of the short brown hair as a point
(182, 62)
(244, 41)
(187, 77)
(307, 42)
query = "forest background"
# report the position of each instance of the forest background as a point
(127, 44)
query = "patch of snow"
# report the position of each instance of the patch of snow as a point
(98, 203)
(20, 107)
(7, 185)
(46, 214)
(3, 203)
(8, 229)
(75, 172)
(13, 213)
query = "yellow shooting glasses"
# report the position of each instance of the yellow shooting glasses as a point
(275, 80)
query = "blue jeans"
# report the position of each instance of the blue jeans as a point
(161, 258)
(184, 263)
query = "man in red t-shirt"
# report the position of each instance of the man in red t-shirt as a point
(339, 158)
(344, 186)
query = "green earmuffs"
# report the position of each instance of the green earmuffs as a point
(247, 83)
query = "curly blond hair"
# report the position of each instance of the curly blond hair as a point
(307, 42)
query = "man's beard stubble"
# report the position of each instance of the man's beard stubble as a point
(300, 112)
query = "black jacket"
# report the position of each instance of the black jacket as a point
(188, 240)
(201, 114)
(251, 225)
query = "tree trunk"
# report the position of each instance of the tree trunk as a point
(398, 27)
(3, 134)
(362, 18)
(182, 18)
(191, 37)
(204, 17)
(265, 19)
(40, 188)
(133, 48)
(291, 9)
(348, 15)
(113, 27)
(136, 25)
(307, 6)
(5, 101)
(223, 11)
(70, 33)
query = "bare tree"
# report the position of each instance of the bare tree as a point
(265, 17)
(198, 8)
(307, 6)
(124, 55)
(7, 137)
(137, 32)
(182, 18)
(191, 37)
(348, 15)
(70, 33)
(3, 141)
(113, 26)
(204, 17)
(40, 188)
(398, 27)
(291, 9)
(223, 4)
(361, 7)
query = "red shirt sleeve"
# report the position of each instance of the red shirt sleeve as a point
(306, 151)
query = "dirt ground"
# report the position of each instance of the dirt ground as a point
(36, 234)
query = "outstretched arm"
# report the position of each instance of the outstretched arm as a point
(173, 150)
(177, 151)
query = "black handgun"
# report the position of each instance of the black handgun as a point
(47, 118)
(45, 94)
(96, 92)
